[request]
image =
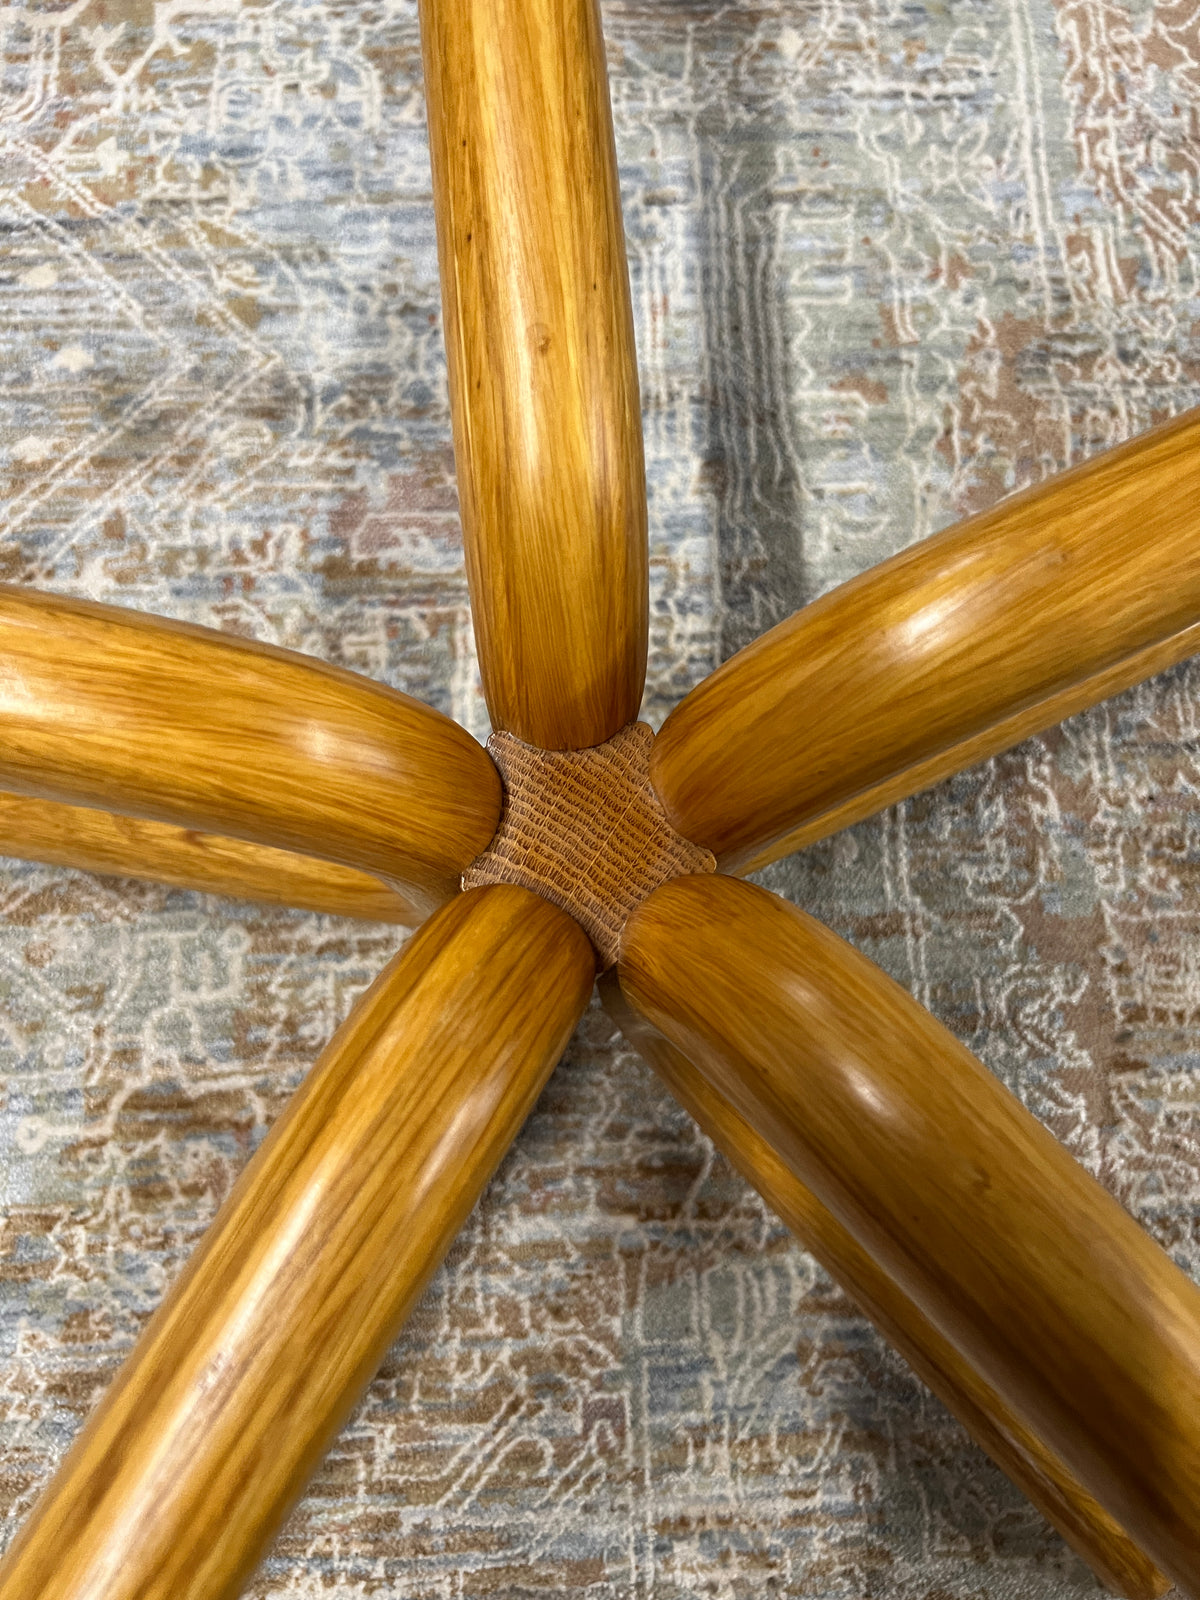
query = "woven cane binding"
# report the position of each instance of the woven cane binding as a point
(585, 829)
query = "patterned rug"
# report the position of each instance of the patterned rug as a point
(889, 262)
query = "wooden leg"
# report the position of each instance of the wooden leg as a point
(130, 847)
(239, 1382)
(1065, 1308)
(109, 708)
(543, 372)
(952, 651)
(1016, 1450)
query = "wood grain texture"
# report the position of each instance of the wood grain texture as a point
(999, 736)
(131, 847)
(1015, 1448)
(1018, 1258)
(585, 829)
(111, 708)
(945, 654)
(543, 373)
(240, 1380)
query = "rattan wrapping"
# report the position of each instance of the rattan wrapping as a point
(585, 829)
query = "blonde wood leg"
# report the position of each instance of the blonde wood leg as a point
(233, 1393)
(1014, 1447)
(1021, 1261)
(109, 708)
(130, 847)
(543, 372)
(944, 655)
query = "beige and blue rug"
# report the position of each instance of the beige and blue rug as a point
(889, 263)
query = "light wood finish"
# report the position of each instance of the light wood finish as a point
(1060, 1302)
(1000, 736)
(131, 847)
(110, 708)
(943, 655)
(239, 1382)
(1015, 1449)
(543, 375)
(585, 829)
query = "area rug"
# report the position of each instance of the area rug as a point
(889, 262)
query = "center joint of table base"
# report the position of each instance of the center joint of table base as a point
(585, 829)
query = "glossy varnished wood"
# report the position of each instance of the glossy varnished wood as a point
(943, 655)
(543, 378)
(979, 747)
(131, 847)
(1013, 1446)
(240, 1380)
(110, 708)
(1018, 1258)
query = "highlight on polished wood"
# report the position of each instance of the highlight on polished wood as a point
(543, 372)
(105, 707)
(256, 1356)
(130, 847)
(1013, 1446)
(1063, 1306)
(944, 655)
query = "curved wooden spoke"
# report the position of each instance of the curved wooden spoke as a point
(109, 708)
(1064, 1307)
(944, 655)
(543, 374)
(131, 847)
(1015, 1449)
(236, 1387)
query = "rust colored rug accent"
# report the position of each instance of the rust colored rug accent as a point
(889, 263)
